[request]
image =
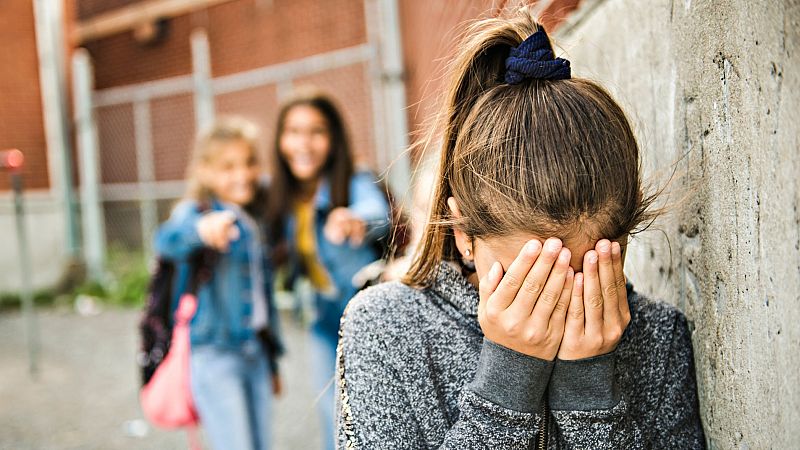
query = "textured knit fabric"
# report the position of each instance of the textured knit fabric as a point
(415, 372)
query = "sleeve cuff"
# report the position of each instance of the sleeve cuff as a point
(584, 384)
(511, 379)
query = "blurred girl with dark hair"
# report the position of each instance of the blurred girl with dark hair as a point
(328, 218)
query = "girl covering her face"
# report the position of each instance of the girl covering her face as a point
(515, 326)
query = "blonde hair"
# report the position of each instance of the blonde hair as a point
(548, 157)
(223, 131)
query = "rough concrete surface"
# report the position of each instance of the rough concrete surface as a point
(85, 395)
(712, 88)
(46, 237)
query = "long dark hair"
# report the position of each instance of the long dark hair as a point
(549, 157)
(338, 169)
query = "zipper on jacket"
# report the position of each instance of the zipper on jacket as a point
(543, 426)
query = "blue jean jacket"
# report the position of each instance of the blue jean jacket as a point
(225, 305)
(367, 202)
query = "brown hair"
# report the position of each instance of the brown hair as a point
(338, 169)
(223, 131)
(549, 157)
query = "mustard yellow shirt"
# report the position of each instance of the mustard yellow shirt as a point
(307, 246)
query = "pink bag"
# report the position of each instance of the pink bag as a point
(167, 398)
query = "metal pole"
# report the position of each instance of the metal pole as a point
(26, 293)
(146, 168)
(384, 23)
(201, 73)
(91, 205)
(49, 44)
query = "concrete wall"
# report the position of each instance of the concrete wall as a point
(45, 228)
(713, 88)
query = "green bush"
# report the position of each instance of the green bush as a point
(126, 280)
(10, 301)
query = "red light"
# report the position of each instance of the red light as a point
(12, 159)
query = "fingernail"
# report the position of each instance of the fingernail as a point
(553, 245)
(603, 245)
(495, 270)
(591, 257)
(532, 247)
(615, 249)
(564, 256)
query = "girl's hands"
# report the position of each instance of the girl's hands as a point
(598, 309)
(525, 309)
(342, 225)
(217, 229)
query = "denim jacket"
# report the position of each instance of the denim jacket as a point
(367, 202)
(225, 301)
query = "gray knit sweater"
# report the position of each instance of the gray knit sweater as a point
(414, 372)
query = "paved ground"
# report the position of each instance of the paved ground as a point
(85, 395)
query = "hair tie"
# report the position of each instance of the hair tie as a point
(534, 59)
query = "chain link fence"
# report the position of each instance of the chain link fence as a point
(145, 132)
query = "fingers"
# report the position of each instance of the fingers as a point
(512, 281)
(619, 276)
(608, 282)
(557, 319)
(575, 322)
(217, 229)
(342, 225)
(488, 284)
(226, 230)
(358, 229)
(218, 235)
(333, 231)
(553, 289)
(592, 295)
(537, 286)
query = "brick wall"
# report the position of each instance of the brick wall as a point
(427, 53)
(243, 35)
(21, 121)
(249, 34)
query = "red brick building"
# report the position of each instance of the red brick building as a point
(383, 60)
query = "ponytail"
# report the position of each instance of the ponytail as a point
(477, 69)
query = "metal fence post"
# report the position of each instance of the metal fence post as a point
(201, 74)
(148, 208)
(12, 160)
(91, 205)
(388, 92)
(52, 80)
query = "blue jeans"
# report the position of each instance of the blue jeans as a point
(233, 395)
(323, 359)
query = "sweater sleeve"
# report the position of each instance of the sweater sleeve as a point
(375, 411)
(590, 413)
